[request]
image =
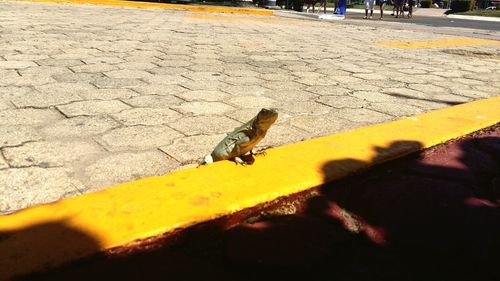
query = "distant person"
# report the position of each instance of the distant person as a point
(369, 6)
(399, 6)
(411, 4)
(342, 7)
(336, 6)
(381, 5)
(312, 3)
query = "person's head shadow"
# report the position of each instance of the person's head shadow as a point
(42, 246)
(336, 169)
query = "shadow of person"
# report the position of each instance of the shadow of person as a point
(428, 209)
(320, 240)
(41, 247)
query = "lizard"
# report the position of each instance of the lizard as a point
(243, 139)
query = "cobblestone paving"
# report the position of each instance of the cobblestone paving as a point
(91, 96)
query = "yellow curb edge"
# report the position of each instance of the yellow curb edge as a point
(45, 236)
(192, 8)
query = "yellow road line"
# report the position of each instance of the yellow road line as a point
(455, 42)
(192, 8)
(226, 18)
(49, 235)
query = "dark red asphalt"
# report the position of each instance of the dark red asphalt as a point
(431, 216)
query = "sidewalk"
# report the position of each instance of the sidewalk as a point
(92, 103)
(426, 12)
(419, 11)
(463, 17)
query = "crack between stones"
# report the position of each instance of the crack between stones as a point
(172, 157)
(35, 166)
(17, 145)
(2, 156)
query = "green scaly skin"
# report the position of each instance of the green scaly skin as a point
(244, 138)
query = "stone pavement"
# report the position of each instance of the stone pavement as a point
(91, 96)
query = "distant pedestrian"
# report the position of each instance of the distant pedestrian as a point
(369, 6)
(342, 7)
(411, 4)
(381, 5)
(399, 5)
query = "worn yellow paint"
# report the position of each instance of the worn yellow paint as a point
(452, 42)
(52, 234)
(192, 8)
(227, 18)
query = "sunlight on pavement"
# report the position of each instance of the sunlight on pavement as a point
(226, 18)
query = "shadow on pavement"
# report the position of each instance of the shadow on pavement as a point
(432, 215)
(41, 246)
(436, 215)
(424, 99)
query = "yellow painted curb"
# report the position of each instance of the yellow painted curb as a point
(192, 8)
(454, 42)
(45, 236)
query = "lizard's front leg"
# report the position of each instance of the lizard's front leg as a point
(260, 150)
(238, 160)
(244, 160)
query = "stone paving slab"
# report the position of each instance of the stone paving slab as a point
(91, 96)
(21, 188)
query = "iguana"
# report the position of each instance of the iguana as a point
(244, 138)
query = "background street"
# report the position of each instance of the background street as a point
(435, 21)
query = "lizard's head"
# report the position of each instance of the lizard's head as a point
(266, 118)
